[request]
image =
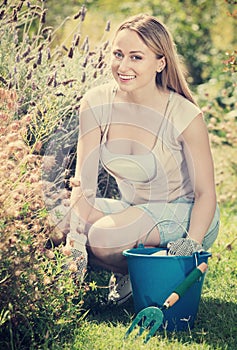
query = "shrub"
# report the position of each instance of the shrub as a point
(218, 98)
(40, 92)
(49, 80)
(37, 299)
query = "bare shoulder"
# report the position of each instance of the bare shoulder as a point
(182, 112)
(196, 134)
(99, 95)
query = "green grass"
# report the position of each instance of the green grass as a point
(215, 326)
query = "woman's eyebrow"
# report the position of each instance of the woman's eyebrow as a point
(137, 51)
(131, 52)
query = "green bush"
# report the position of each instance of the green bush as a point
(49, 80)
(218, 99)
(202, 30)
(40, 91)
(39, 300)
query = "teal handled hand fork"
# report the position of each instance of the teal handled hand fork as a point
(152, 317)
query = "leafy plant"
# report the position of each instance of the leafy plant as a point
(218, 99)
(40, 97)
(38, 298)
(49, 81)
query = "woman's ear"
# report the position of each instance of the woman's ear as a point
(161, 64)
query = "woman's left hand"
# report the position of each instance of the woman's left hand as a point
(184, 247)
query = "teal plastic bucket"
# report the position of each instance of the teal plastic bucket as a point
(154, 278)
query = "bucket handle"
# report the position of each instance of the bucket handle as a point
(179, 224)
(161, 221)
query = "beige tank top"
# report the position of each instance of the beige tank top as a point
(160, 175)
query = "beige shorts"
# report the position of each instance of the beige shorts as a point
(172, 218)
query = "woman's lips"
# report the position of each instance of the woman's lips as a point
(124, 77)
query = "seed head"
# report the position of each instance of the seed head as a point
(2, 14)
(39, 60)
(77, 40)
(72, 266)
(83, 79)
(83, 12)
(29, 75)
(66, 251)
(106, 45)
(48, 53)
(78, 15)
(47, 280)
(18, 273)
(43, 16)
(107, 28)
(15, 15)
(26, 53)
(70, 53)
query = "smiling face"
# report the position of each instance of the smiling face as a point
(134, 65)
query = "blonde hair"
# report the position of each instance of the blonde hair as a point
(157, 37)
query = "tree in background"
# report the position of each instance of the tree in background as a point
(200, 29)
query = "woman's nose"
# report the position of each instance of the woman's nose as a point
(124, 64)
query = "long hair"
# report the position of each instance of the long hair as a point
(158, 38)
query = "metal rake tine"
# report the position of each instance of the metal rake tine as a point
(150, 315)
(135, 322)
(130, 329)
(144, 325)
(152, 331)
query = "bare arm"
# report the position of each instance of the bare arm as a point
(200, 166)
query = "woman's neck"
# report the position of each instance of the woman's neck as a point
(156, 99)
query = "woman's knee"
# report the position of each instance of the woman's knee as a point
(99, 245)
(103, 244)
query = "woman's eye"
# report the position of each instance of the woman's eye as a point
(136, 58)
(117, 54)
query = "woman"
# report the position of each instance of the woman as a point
(147, 132)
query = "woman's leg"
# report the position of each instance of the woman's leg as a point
(110, 235)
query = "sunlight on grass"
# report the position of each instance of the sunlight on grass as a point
(214, 328)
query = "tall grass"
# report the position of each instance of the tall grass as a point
(41, 88)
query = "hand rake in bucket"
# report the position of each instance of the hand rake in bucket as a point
(152, 317)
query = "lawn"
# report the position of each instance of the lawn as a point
(215, 326)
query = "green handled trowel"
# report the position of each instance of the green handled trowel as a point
(152, 317)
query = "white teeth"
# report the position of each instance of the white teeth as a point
(127, 77)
